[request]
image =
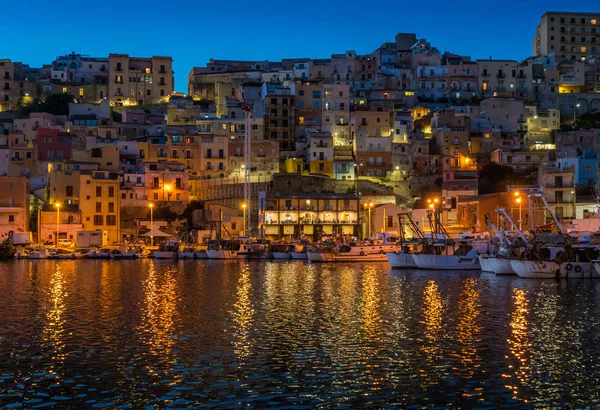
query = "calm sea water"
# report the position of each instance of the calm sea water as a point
(161, 334)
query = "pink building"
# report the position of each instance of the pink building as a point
(53, 145)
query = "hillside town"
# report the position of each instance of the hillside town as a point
(337, 145)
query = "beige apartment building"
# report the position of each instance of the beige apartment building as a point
(14, 205)
(139, 81)
(573, 36)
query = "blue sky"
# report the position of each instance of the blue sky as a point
(194, 32)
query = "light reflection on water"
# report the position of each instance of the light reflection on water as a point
(190, 333)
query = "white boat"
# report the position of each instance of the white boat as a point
(464, 257)
(127, 251)
(328, 256)
(68, 256)
(496, 265)
(554, 270)
(223, 254)
(96, 253)
(41, 253)
(167, 250)
(400, 260)
(500, 266)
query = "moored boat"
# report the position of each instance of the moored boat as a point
(329, 256)
(96, 253)
(168, 249)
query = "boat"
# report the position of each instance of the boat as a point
(187, 252)
(557, 262)
(62, 254)
(299, 252)
(344, 254)
(281, 250)
(445, 253)
(402, 258)
(127, 251)
(225, 249)
(96, 253)
(200, 254)
(41, 253)
(168, 249)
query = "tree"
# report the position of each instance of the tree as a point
(163, 212)
(7, 250)
(494, 178)
(188, 212)
(55, 104)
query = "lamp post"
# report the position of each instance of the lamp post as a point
(573, 204)
(520, 217)
(575, 111)
(57, 221)
(244, 206)
(151, 225)
(371, 204)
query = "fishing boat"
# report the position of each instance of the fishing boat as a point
(62, 255)
(41, 253)
(299, 252)
(282, 250)
(168, 249)
(95, 253)
(344, 253)
(445, 253)
(200, 254)
(402, 258)
(225, 249)
(558, 262)
(187, 252)
(127, 251)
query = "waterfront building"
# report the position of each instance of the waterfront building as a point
(14, 205)
(558, 186)
(311, 215)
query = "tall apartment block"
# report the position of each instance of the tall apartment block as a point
(572, 36)
(139, 81)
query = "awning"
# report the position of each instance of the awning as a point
(155, 232)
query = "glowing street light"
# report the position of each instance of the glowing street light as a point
(244, 206)
(520, 216)
(168, 188)
(57, 221)
(151, 225)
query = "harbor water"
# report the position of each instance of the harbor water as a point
(151, 334)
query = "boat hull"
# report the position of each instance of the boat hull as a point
(299, 255)
(201, 254)
(495, 265)
(554, 270)
(446, 262)
(186, 255)
(223, 254)
(165, 255)
(123, 256)
(342, 257)
(281, 255)
(400, 260)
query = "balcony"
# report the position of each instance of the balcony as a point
(521, 76)
(485, 74)
(500, 75)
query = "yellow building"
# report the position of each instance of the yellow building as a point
(320, 154)
(100, 203)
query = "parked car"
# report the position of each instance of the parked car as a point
(65, 243)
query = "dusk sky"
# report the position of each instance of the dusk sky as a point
(194, 32)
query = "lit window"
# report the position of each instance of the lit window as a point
(593, 21)
(409, 93)
(224, 126)
(64, 89)
(301, 120)
(147, 71)
(583, 49)
(81, 92)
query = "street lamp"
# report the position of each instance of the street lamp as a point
(573, 204)
(151, 225)
(520, 218)
(57, 221)
(244, 206)
(371, 205)
(575, 111)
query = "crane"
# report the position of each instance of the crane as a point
(247, 152)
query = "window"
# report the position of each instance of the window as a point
(98, 220)
(98, 192)
(81, 92)
(98, 206)
(111, 220)
(11, 218)
(111, 207)
(390, 221)
(316, 94)
(317, 105)
(64, 90)
(111, 191)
